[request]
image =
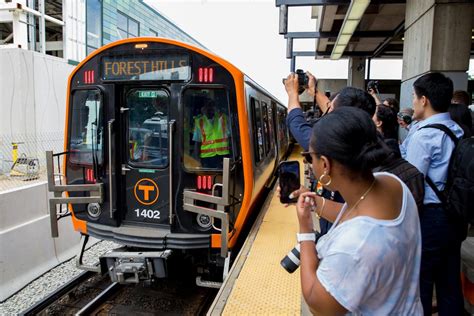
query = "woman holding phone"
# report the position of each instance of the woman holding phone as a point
(369, 261)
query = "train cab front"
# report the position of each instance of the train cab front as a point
(148, 155)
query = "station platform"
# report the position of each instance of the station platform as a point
(257, 284)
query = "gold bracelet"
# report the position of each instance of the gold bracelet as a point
(322, 208)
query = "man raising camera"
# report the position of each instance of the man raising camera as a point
(299, 127)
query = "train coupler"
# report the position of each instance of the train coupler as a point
(132, 267)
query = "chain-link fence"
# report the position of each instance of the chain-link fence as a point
(23, 157)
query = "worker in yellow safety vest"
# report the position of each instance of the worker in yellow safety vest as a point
(211, 136)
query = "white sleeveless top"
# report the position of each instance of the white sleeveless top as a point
(371, 266)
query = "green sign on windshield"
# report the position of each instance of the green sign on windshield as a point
(147, 94)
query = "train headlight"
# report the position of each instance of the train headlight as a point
(94, 210)
(203, 220)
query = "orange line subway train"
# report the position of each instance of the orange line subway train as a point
(167, 148)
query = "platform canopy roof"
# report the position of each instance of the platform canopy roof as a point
(372, 29)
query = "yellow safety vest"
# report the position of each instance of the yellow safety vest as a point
(214, 136)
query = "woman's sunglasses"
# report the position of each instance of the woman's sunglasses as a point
(307, 156)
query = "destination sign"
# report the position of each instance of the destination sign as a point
(151, 67)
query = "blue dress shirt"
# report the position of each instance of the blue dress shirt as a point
(411, 129)
(299, 127)
(430, 149)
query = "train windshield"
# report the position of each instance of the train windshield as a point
(207, 128)
(148, 127)
(86, 127)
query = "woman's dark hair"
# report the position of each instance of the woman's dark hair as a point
(461, 96)
(437, 88)
(388, 117)
(462, 116)
(350, 96)
(348, 135)
(393, 103)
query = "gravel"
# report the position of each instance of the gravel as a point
(51, 280)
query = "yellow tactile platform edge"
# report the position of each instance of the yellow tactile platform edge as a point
(263, 287)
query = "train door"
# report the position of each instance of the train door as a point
(146, 158)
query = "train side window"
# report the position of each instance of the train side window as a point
(207, 128)
(257, 130)
(86, 133)
(282, 136)
(266, 127)
(271, 126)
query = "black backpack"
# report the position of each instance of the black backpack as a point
(408, 173)
(458, 194)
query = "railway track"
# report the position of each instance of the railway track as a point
(93, 294)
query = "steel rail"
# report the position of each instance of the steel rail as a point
(57, 294)
(99, 299)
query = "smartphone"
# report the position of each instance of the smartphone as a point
(289, 172)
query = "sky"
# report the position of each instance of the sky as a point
(245, 32)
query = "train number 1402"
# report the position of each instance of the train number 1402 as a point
(152, 214)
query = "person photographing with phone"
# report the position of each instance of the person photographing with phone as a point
(302, 130)
(368, 262)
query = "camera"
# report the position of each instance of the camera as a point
(291, 261)
(303, 80)
(404, 117)
(373, 85)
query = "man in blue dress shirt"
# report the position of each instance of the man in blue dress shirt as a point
(429, 150)
(301, 129)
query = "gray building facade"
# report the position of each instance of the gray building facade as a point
(111, 20)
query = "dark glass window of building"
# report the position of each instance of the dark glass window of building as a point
(153, 33)
(94, 22)
(126, 26)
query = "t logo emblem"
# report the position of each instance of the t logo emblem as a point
(146, 191)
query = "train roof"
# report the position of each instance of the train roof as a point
(228, 65)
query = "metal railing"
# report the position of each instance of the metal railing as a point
(191, 196)
(96, 190)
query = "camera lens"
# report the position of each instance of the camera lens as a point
(291, 261)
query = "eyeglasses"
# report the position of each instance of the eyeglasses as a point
(307, 156)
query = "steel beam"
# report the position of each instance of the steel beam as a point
(357, 34)
(289, 47)
(302, 3)
(346, 54)
(304, 54)
(311, 2)
(400, 28)
(293, 64)
(42, 27)
(283, 27)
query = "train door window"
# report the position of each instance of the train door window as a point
(271, 127)
(258, 130)
(207, 128)
(86, 133)
(282, 136)
(148, 127)
(266, 127)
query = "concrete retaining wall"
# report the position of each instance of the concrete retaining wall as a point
(27, 249)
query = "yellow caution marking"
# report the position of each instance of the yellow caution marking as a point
(263, 287)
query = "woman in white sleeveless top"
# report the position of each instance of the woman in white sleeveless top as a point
(369, 261)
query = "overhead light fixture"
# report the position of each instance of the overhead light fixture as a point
(351, 21)
(344, 39)
(338, 49)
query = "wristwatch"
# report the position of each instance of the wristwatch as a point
(305, 237)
